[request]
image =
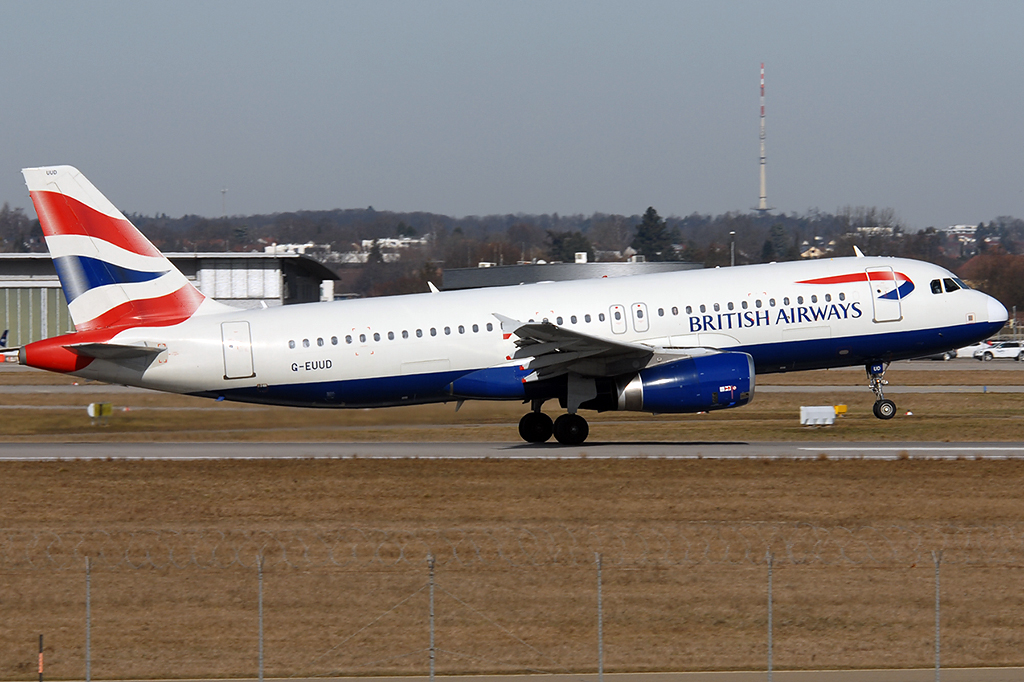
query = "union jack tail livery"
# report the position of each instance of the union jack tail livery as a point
(111, 274)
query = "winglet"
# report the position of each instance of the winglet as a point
(508, 325)
(857, 252)
(433, 289)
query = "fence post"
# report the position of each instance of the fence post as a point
(937, 558)
(88, 620)
(40, 658)
(430, 562)
(771, 560)
(259, 579)
(600, 622)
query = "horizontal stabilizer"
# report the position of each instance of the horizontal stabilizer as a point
(112, 351)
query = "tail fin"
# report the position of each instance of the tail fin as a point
(3, 339)
(111, 274)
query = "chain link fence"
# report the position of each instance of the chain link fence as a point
(164, 603)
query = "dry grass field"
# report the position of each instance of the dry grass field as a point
(371, 618)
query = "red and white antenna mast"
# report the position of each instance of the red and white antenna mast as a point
(762, 204)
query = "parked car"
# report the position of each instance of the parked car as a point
(968, 351)
(1010, 350)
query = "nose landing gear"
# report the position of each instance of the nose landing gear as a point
(883, 407)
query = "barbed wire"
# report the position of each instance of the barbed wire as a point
(514, 547)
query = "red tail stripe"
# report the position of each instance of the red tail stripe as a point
(150, 312)
(60, 214)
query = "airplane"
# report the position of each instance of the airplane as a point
(678, 342)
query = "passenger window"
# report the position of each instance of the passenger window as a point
(362, 338)
(291, 344)
(462, 330)
(334, 340)
(717, 307)
(419, 333)
(600, 317)
(689, 310)
(771, 302)
(348, 339)
(476, 328)
(814, 298)
(936, 286)
(586, 318)
(376, 336)
(785, 300)
(675, 310)
(405, 333)
(391, 336)
(433, 331)
(558, 320)
(828, 298)
(757, 303)
(731, 306)
(842, 296)
(572, 319)
(447, 331)
(661, 312)
(744, 305)
(490, 327)
(703, 308)
(305, 343)
(639, 314)
(950, 284)
(618, 315)
(320, 342)
(799, 300)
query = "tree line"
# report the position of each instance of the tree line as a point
(994, 260)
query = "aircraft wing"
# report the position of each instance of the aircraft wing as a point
(554, 350)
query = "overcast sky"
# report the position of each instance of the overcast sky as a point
(503, 107)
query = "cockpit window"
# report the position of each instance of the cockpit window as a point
(960, 282)
(950, 284)
(936, 286)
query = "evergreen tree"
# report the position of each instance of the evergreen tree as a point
(564, 246)
(653, 240)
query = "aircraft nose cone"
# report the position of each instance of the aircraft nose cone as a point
(996, 311)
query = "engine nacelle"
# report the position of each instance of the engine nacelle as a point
(697, 384)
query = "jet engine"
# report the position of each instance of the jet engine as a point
(696, 384)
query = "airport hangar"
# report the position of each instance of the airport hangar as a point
(33, 304)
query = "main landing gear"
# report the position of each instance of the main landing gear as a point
(883, 407)
(537, 427)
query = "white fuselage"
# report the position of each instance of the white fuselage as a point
(406, 349)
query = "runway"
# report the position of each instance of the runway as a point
(41, 452)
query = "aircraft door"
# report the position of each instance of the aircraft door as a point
(237, 344)
(885, 295)
(640, 322)
(617, 315)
